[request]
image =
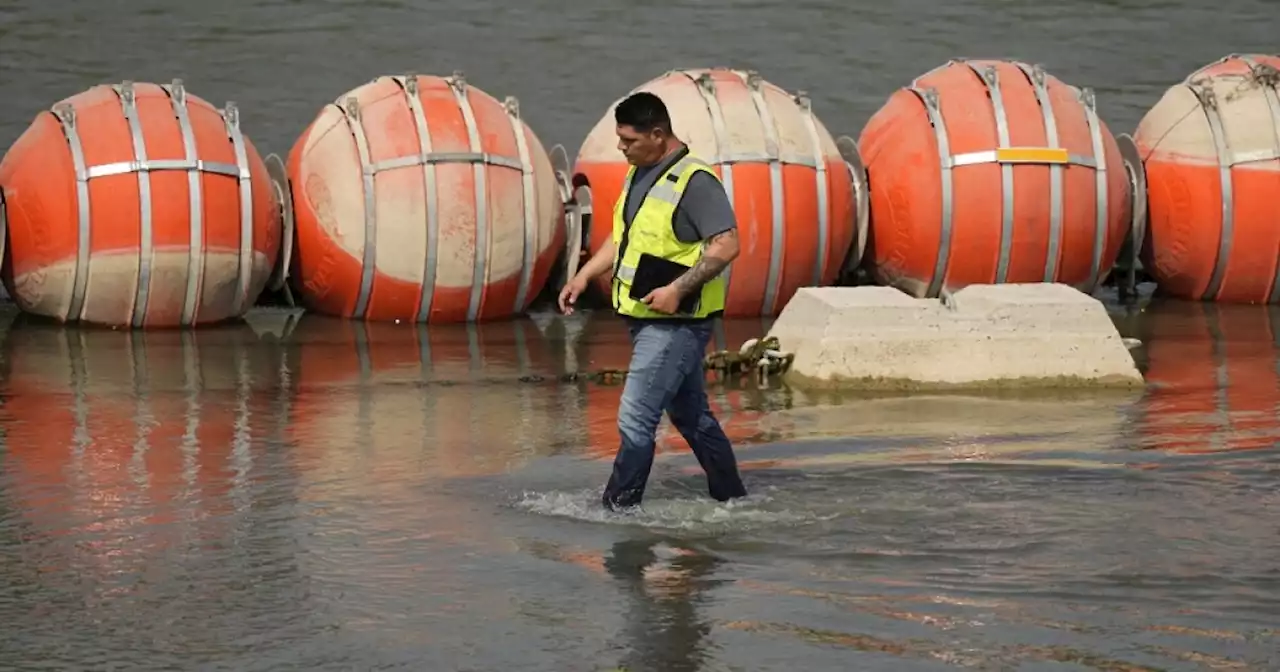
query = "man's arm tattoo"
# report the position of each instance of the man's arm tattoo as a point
(707, 267)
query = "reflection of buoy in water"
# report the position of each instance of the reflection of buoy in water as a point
(1213, 170)
(119, 434)
(606, 345)
(1214, 381)
(396, 390)
(422, 198)
(992, 172)
(792, 190)
(138, 205)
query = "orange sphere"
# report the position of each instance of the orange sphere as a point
(424, 199)
(1212, 169)
(992, 172)
(138, 205)
(792, 190)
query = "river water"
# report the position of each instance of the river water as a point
(309, 494)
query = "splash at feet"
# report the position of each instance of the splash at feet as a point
(669, 510)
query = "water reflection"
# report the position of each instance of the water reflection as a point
(119, 431)
(140, 496)
(666, 583)
(389, 400)
(1213, 376)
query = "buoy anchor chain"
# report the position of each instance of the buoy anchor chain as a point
(759, 357)
(284, 196)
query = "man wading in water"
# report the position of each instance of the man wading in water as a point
(674, 232)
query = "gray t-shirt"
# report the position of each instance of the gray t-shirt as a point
(704, 209)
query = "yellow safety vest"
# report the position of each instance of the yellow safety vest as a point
(652, 231)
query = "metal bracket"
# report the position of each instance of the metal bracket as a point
(512, 105)
(575, 235)
(1138, 184)
(559, 158)
(706, 83)
(280, 181)
(573, 209)
(848, 148)
(4, 229)
(458, 82)
(351, 107)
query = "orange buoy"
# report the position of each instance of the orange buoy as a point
(1213, 377)
(1212, 158)
(797, 193)
(424, 199)
(138, 205)
(992, 172)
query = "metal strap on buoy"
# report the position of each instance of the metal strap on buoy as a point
(66, 115)
(512, 105)
(1035, 74)
(146, 234)
(1202, 87)
(1209, 103)
(773, 158)
(195, 198)
(367, 260)
(819, 163)
(1100, 187)
(991, 78)
(231, 114)
(409, 84)
(484, 238)
(706, 87)
(1268, 77)
(929, 96)
(1005, 155)
(805, 105)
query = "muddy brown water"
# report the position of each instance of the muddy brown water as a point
(316, 495)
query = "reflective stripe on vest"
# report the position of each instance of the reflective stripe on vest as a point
(652, 232)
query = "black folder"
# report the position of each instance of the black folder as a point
(654, 272)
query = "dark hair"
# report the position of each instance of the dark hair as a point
(644, 112)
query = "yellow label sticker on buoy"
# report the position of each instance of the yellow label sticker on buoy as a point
(1032, 155)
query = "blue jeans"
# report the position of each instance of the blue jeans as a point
(666, 374)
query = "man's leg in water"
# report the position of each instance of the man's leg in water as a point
(660, 356)
(691, 415)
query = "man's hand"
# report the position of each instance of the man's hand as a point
(663, 299)
(599, 263)
(570, 292)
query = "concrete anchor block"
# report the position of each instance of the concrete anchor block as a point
(1037, 335)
